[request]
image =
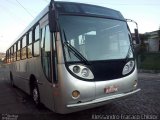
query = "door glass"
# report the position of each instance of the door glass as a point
(46, 52)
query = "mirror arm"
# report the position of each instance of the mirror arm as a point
(52, 17)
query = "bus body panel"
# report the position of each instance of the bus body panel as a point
(22, 71)
(66, 85)
(121, 85)
(45, 87)
(91, 93)
(19, 73)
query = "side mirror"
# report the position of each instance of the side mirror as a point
(52, 17)
(137, 41)
(137, 38)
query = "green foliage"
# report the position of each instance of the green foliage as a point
(150, 61)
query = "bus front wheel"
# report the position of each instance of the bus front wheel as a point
(35, 94)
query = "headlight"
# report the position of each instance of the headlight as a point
(76, 69)
(85, 72)
(81, 71)
(128, 67)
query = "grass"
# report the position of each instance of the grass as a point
(149, 61)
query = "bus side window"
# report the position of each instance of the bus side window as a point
(23, 50)
(12, 52)
(9, 55)
(46, 52)
(18, 50)
(36, 38)
(5, 60)
(29, 44)
(15, 52)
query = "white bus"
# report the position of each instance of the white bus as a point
(74, 56)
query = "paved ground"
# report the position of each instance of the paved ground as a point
(16, 105)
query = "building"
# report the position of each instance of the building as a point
(152, 41)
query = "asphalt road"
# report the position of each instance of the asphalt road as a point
(16, 105)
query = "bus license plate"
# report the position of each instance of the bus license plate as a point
(111, 89)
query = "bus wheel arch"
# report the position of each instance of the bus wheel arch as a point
(34, 91)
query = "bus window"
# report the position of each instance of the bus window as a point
(15, 52)
(36, 37)
(12, 54)
(30, 51)
(8, 58)
(30, 45)
(23, 51)
(46, 52)
(18, 50)
(36, 51)
(30, 37)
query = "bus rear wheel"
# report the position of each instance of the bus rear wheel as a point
(35, 95)
(11, 80)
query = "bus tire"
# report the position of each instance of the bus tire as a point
(11, 80)
(35, 94)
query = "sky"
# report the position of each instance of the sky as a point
(17, 14)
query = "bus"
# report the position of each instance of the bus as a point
(74, 56)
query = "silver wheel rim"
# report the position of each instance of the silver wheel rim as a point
(35, 95)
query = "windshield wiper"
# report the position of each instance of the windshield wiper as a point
(74, 50)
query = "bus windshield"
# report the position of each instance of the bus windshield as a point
(95, 38)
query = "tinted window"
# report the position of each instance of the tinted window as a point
(95, 38)
(30, 37)
(47, 40)
(24, 42)
(88, 9)
(37, 35)
(9, 55)
(36, 48)
(19, 45)
(18, 50)
(12, 57)
(23, 53)
(15, 51)
(15, 47)
(18, 55)
(23, 50)
(101, 11)
(30, 51)
(46, 52)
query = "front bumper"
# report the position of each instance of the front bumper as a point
(104, 99)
